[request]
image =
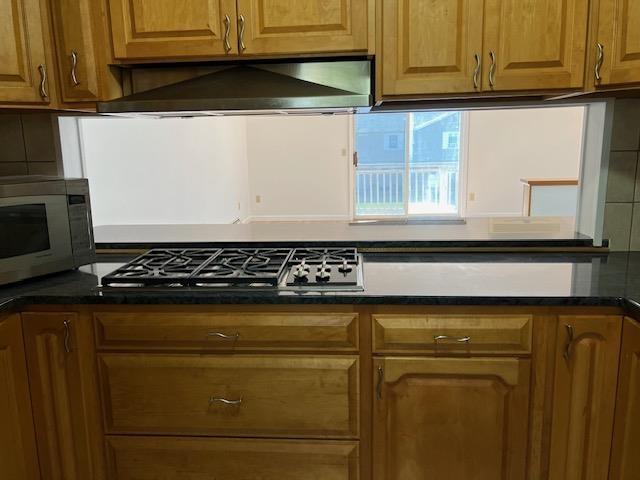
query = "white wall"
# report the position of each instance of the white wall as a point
(166, 171)
(507, 145)
(299, 167)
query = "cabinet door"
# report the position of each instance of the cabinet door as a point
(537, 44)
(619, 35)
(431, 47)
(453, 418)
(625, 462)
(173, 28)
(75, 22)
(18, 455)
(65, 407)
(583, 397)
(290, 26)
(22, 52)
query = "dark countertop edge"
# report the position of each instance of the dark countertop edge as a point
(506, 243)
(630, 307)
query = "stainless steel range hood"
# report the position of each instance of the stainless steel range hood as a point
(257, 88)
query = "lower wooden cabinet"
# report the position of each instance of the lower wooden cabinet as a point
(584, 395)
(18, 455)
(61, 363)
(149, 458)
(625, 461)
(453, 418)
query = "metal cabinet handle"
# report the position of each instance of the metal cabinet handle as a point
(569, 344)
(74, 67)
(224, 401)
(43, 81)
(241, 24)
(465, 339)
(599, 61)
(67, 336)
(476, 72)
(492, 69)
(227, 32)
(224, 336)
(379, 384)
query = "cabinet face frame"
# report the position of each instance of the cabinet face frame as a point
(451, 71)
(18, 452)
(130, 44)
(561, 69)
(508, 378)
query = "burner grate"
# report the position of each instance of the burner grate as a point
(244, 266)
(331, 256)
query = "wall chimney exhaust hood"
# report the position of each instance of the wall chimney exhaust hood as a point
(293, 88)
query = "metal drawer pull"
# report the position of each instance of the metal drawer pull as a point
(67, 336)
(43, 81)
(74, 67)
(224, 336)
(599, 61)
(476, 72)
(241, 22)
(227, 32)
(224, 401)
(569, 345)
(379, 384)
(492, 69)
(465, 339)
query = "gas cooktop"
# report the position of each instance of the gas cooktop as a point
(304, 269)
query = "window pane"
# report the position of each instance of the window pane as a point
(379, 181)
(434, 163)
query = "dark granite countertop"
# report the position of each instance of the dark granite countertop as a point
(473, 232)
(403, 279)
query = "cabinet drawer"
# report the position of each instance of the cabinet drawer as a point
(453, 333)
(152, 458)
(272, 396)
(227, 331)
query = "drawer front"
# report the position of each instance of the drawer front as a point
(153, 458)
(485, 334)
(236, 395)
(227, 331)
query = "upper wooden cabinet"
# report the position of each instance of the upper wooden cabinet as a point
(64, 394)
(291, 26)
(625, 462)
(83, 49)
(431, 47)
(158, 29)
(536, 44)
(24, 71)
(584, 395)
(173, 28)
(18, 455)
(453, 418)
(616, 51)
(465, 46)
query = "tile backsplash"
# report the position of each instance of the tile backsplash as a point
(30, 144)
(622, 209)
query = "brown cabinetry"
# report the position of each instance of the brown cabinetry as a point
(18, 455)
(83, 50)
(464, 46)
(584, 394)
(61, 363)
(616, 50)
(454, 418)
(24, 70)
(625, 461)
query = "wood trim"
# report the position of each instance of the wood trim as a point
(541, 182)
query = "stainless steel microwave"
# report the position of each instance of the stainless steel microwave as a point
(45, 226)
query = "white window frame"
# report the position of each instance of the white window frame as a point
(462, 175)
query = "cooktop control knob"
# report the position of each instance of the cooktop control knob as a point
(345, 267)
(301, 272)
(323, 274)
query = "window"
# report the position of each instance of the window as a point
(409, 164)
